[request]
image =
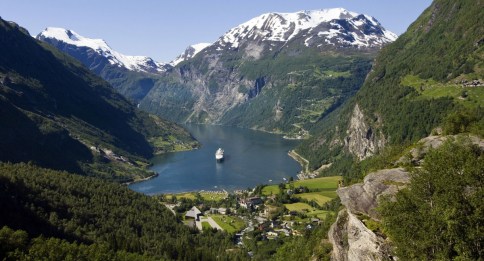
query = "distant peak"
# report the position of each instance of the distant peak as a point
(134, 63)
(189, 53)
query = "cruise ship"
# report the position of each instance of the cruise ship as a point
(219, 155)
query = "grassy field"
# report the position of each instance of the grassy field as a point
(320, 197)
(225, 222)
(298, 206)
(326, 183)
(191, 195)
(187, 195)
(310, 213)
(211, 196)
(475, 95)
(206, 225)
(433, 89)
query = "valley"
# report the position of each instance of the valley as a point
(341, 140)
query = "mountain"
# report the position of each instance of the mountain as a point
(132, 76)
(337, 27)
(73, 42)
(60, 115)
(432, 70)
(279, 72)
(419, 110)
(189, 53)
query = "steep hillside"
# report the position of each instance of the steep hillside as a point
(277, 72)
(54, 109)
(433, 69)
(280, 72)
(84, 218)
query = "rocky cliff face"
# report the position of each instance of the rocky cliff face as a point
(273, 72)
(351, 239)
(362, 138)
(363, 197)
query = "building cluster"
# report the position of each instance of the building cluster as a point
(248, 203)
(473, 83)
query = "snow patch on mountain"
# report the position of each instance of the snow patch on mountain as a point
(134, 63)
(364, 31)
(189, 53)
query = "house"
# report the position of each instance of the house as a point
(293, 213)
(222, 211)
(273, 233)
(272, 197)
(310, 226)
(276, 224)
(253, 202)
(193, 213)
(286, 231)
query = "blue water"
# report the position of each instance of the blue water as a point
(251, 158)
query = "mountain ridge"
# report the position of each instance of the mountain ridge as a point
(59, 114)
(246, 77)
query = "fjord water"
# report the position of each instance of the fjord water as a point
(251, 158)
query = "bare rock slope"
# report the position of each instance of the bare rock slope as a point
(351, 239)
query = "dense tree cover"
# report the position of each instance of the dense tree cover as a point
(51, 104)
(444, 45)
(71, 208)
(439, 216)
(463, 121)
(312, 245)
(15, 245)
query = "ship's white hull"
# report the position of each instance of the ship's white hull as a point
(219, 155)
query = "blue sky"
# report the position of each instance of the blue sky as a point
(163, 29)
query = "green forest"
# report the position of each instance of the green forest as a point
(54, 109)
(45, 210)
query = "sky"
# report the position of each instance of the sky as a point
(163, 29)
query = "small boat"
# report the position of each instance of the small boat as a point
(219, 155)
(270, 180)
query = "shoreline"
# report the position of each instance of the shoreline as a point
(139, 180)
(290, 153)
(255, 129)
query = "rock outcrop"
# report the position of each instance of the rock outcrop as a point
(362, 139)
(433, 142)
(352, 240)
(363, 197)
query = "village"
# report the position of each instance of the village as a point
(261, 214)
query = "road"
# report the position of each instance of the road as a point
(307, 171)
(214, 224)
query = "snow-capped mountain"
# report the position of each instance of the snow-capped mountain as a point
(191, 51)
(72, 40)
(337, 27)
(264, 60)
